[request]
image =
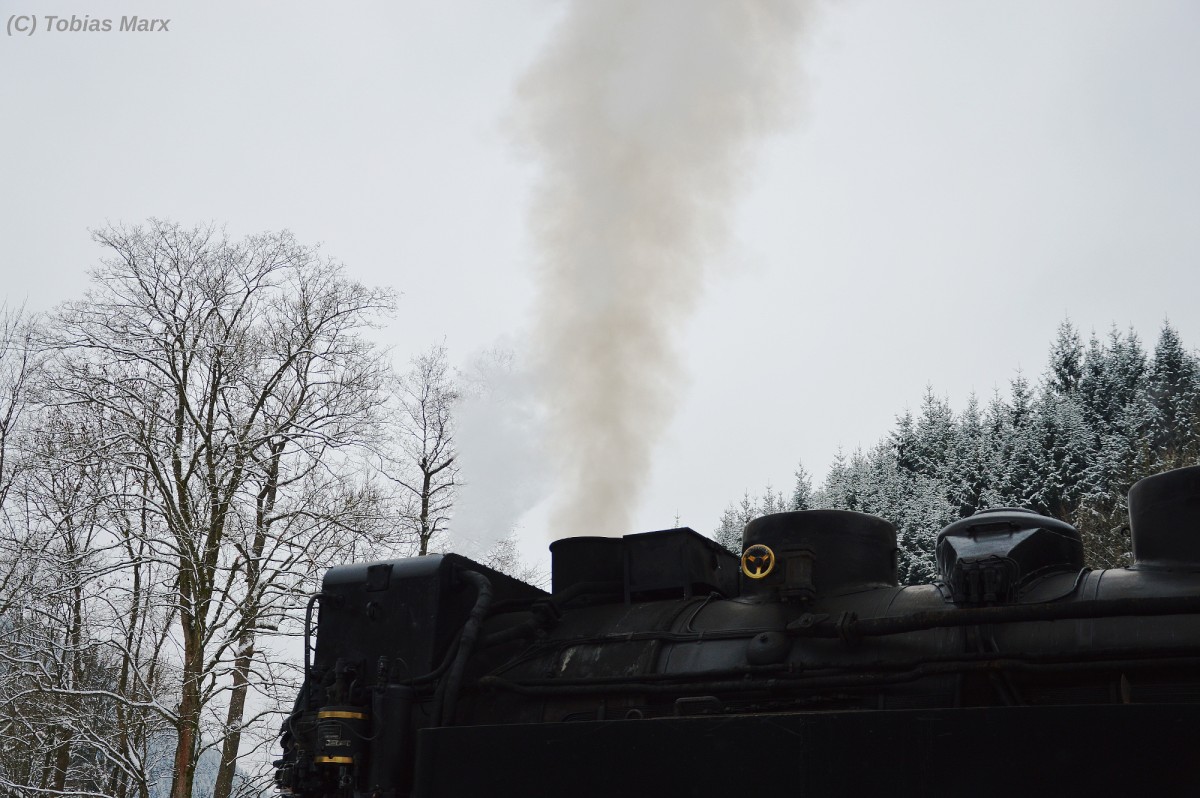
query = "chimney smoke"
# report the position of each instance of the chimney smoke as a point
(643, 117)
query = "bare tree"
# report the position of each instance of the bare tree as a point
(59, 663)
(232, 381)
(505, 557)
(20, 563)
(17, 363)
(423, 461)
(83, 694)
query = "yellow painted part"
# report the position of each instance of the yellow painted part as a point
(761, 552)
(337, 713)
(335, 760)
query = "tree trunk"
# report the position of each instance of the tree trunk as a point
(189, 717)
(425, 532)
(264, 508)
(233, 721)
(62, 759)
(74, 677)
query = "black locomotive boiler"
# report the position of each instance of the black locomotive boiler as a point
(663, 665)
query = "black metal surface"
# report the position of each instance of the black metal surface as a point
(848, 551)
(849, 627)
(1164, 516)
(850, 675)
(586, 559)
(989, 556)
(391, 738)
(409, 611)
(677, 562)
(671, 563)
(1061, 751)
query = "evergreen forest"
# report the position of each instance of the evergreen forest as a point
(1104, 414)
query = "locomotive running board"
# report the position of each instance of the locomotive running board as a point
(1145, 749)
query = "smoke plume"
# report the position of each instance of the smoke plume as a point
(643, 116)
(499, 451)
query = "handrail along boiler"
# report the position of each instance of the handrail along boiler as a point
(663, 665)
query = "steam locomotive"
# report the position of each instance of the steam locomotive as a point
(663, 665)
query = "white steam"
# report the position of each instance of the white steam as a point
(499, 451)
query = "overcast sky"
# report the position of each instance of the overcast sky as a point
(958, 178)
